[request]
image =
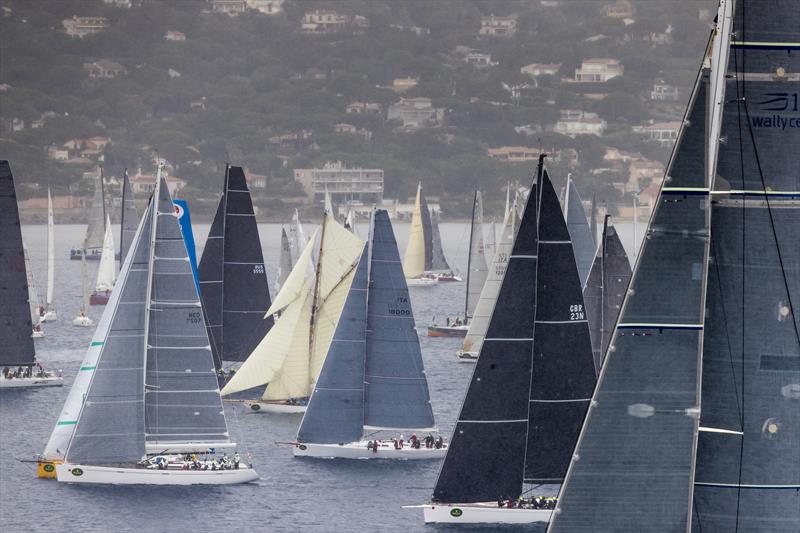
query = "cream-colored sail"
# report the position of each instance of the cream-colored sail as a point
(293, 286)
(290, 356)
(491, 289)
(414, 259)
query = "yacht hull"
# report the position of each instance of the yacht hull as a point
(49, 316)
(275, 407)
(447, 331)
(466, 357)
(18, 383)
(358, 450)
(71, 473)
(421, 282)
(481, 513)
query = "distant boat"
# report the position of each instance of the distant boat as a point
(373, 379)
(83, 320)
(17, 351)
(34, 300)
(530, 389)
(289, 357)
(605, 290)
(473, 341)
(424, 263)
(106, 271)
(95, 232)
(476, 276)
(48, 312)
(146, 394)
(233, 280)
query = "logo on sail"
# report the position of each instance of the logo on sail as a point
(779, 104)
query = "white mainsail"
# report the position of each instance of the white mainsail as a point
(292, 352)
(107, 271)
(33, 294)
(491, 288)
(51, 253)
(414, 258)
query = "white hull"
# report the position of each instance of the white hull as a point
(466, 357)
(358, 450)
(481, 513)
(49, 316)
(17, 383)
(37, 334)
(83, 322)
(70, 473)
(275, 408)
(421, 282)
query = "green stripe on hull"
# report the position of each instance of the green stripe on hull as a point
(88, 367)
(96, 343)
(66, 422)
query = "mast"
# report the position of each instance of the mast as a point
(315, 294)
(469, 256)
(122, 218)
(151, 253)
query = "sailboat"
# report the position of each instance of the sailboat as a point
(233, 280)
(95, 232)
(695, 421)
(106, 271)
(424, 263)
(476, 276)
(34, 301)
(605, 289)
(146, 394)
(579, 230)
(17, 351)
(372, 380)
(129, 218)
(48, 312)
(531, 386)
(289, 357)
(285, 261)
(83, 320)
(479, 323)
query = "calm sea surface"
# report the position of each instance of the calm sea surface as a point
(293, 494)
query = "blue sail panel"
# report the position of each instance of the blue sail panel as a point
(335, 412)
(397, 393)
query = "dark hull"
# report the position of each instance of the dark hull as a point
(99, 299)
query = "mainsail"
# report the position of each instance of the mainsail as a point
(107, 270)
(438, 260)
(129, 220)
(579, 231)
(396, 389)
(605, 290)
(233, 280)
(95, 231)
(16, 344)
(636, 448)
(34, 300)
(476, 269)
(414, 260)
(285, 262)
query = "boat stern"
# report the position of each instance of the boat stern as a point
(47, 469)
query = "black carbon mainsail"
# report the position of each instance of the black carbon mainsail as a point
(16, 344)
(233, 280)
(605, 290)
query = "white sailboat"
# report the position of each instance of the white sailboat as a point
(289, 357)
(106, 271)
(372, 380)
(128, 419)
(415, 259)
(49, 313)
(83, 320)
(34, 301)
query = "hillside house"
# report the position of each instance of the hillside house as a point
(322, 21)
(541, 69)
(493, 26)
(598, 70)
(266, 7)
(622, 9)
(104, 68)
(297, 140)
(145, 183)
(364, 108)
(479, 59)
(228, 7)
(664, 92)
(344, 184)
(80, 27)
(514, 154)
(416, 113)
(574, 122)
(343, 127)
(401, 85)
(663, 132)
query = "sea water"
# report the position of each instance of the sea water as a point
(298, 495)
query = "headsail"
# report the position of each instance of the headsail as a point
(284, 262)
(415, 257)
(579, 231)
(107, 270)
(477, 270)
(438, 260)
(396, 387)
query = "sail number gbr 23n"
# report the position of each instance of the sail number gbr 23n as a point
(576, 312)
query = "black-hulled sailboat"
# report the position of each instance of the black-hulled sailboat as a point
(373, 379)
(233, 280)
(605, 289)
(146, 394)
(695, 422)
(17, 351)
(531, 386)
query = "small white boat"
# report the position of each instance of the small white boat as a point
(480, 513)
(82, 321)
(37, 333)
(49, 316)
(274, 407)
(137, 475)
(466, 357)
(422, 281)
(361, 450)
(46, 380)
